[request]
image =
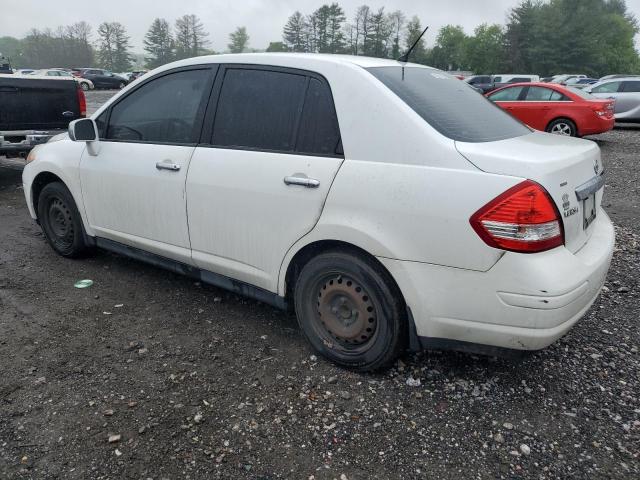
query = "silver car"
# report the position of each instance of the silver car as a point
(626, 93)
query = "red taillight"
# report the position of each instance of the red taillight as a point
(82, 102)
(523, 219)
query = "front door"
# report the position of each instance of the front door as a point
(134, 186)
(260, 183)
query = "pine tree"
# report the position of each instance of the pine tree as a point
(294, 33)
(190, 37)
(159, 44)
(239, 40)
(114, 47)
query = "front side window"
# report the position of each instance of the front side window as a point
(259, 109)
(511, 94)
(448, 105)
(165, 110)
(611, 87)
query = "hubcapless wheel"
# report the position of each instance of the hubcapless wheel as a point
(60, 221)
(350, 310)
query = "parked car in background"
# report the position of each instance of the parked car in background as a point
(483, 83)
(326, 183)
(500, 81)
(54, 72)
(138, 73)
(610, 77)
(5, 66)
(24, 71)
(626, 93)
(33, 109)
(104, 78)
(564, 78)
(580, 82)
(556, 109)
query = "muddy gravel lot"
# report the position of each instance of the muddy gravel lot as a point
(149, 375)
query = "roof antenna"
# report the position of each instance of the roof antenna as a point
(405, 58)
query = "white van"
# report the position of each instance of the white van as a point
(512, 78)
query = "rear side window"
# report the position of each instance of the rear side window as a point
(631, 87)
(448, 105)
(511, 94)
(164, 110)
(541, 94)
(611, 87)
(319, 132)
(259, 109)
(520, 80)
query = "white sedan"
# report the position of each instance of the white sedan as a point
(388, 204)
(55, 72)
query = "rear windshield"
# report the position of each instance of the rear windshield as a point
(449, 105)
(581, 93)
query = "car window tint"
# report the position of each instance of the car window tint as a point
(510, 94)
(539, 94)
(520, 80)
(497, 79)
(610, 87)
(101, 124)
(632, 86)
(448, 105)
(318, 132)
(259, 109)
(165, 110)
(558, 97)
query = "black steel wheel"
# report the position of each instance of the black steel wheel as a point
(61, 222)
(350, 310)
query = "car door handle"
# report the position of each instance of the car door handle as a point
(167, 165)
(302, 180)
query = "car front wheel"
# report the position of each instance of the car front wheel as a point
(84, 86)
(61, 222)
(351, 311)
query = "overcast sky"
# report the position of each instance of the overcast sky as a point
(264, 19)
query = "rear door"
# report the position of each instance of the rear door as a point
(258, 182)
(609, 90)
(628, 101)
(37, 103)
(134, 188)
(540, 106)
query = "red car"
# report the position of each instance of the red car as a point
(556, 109)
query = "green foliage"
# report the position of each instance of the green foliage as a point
(159, 44)
(277, 47)
(64, 47)
(113, 51)
(485, 51)
(450, 51)
(594, 37)
(414, 30)
(190, 37)
(238, 40)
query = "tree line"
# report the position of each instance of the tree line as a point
(594, 37)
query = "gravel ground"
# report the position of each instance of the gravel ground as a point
(150, 375)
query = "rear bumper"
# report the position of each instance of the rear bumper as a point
(597, 125)
(24, 140)
(524, 302)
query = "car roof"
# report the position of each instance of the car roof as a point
(302, 60)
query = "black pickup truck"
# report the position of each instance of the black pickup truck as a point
(33, 109)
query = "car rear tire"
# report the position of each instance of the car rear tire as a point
(84, 86)
(61, 222)
(121, 85)
(563, 126)
(351, 311)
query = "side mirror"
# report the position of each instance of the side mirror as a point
(83, 130)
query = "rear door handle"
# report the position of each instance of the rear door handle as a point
(167, 165)
(302, 180)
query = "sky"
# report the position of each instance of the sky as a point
(264, 19)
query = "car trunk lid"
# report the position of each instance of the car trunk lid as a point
(570, 169)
